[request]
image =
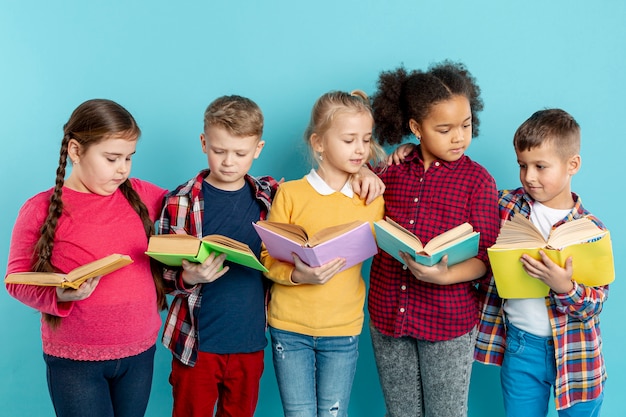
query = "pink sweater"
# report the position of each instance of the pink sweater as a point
(120, 318)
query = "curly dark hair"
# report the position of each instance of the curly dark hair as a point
(402, 95)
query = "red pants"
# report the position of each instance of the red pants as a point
(230, 380)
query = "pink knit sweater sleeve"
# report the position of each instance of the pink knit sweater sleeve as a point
(23, 239)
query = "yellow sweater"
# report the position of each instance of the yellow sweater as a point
(332, 309)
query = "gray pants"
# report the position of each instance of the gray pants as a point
(424, 379)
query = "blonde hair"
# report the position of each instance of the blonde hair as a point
(240, 116)
(335, 102)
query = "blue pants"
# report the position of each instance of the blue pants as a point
(112, 388)
(314, 374)
(528, 375)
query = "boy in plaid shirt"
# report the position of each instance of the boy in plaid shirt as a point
(216, 324)
(564, 327)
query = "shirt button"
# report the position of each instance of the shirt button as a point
(403, 287)
(421, 179)
(405, 267)
(411, 221)
(415, 200)
(437, 163)
(402, 310)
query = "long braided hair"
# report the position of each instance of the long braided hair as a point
(90, 123)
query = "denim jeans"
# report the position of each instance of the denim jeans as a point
(112, 388)
(421, 378)
(314, 374)
(528, 375)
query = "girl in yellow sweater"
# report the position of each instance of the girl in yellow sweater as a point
(316, 314)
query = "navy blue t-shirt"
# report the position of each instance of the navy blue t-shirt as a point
(232, 312)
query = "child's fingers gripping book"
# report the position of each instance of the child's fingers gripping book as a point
(589, 246)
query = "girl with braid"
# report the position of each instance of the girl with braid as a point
(98, 340)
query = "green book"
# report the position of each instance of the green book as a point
(172, 249)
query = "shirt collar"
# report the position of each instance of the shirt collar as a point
(416, 157)
(321, 187)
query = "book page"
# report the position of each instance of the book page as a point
(75, 277)
(577, 231)
(329, 233)
(519, 232)
(228, 242)
(98, 267)
(448, 237)
(174, 244)
(401, 233)
(292, 232)
(36, 278)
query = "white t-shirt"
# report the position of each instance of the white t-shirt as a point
(531, 314)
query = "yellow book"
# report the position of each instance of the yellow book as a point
(75, 277)
(590, 249)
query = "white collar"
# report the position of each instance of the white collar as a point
(321, 187)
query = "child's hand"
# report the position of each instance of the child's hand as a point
(401, 152)
(436, 274)
(208, 271)
(304, 274)
(367, 184)
(84, 291)
(557, 278)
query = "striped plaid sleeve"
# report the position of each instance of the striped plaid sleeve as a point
(491, 339)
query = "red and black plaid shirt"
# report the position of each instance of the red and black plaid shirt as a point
(428, 203)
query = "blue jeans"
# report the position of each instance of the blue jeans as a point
(314, 374)
(112, 388)
(528, 375)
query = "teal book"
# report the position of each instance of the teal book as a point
(172, 249)
(459, 243)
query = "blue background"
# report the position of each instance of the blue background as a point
(165, 61)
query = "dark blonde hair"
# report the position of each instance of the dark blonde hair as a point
(554, 126)
(404, 95)
(90, 123)
(332, 103)
(240, 116)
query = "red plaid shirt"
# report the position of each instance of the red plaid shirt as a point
(183, 210)
(428, 203)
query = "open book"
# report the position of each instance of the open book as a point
(459, 243)
(352, 241)
(589, 246)
(172, 249)
(75, 277)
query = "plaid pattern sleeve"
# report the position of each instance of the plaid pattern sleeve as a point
(183, 210)
(574, 318)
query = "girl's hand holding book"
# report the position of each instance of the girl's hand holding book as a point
(304, 274)
(82, 292)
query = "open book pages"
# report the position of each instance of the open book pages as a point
(437, 243)
(519, 232)
(172, 249)
(75, 277)
(297, 233)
